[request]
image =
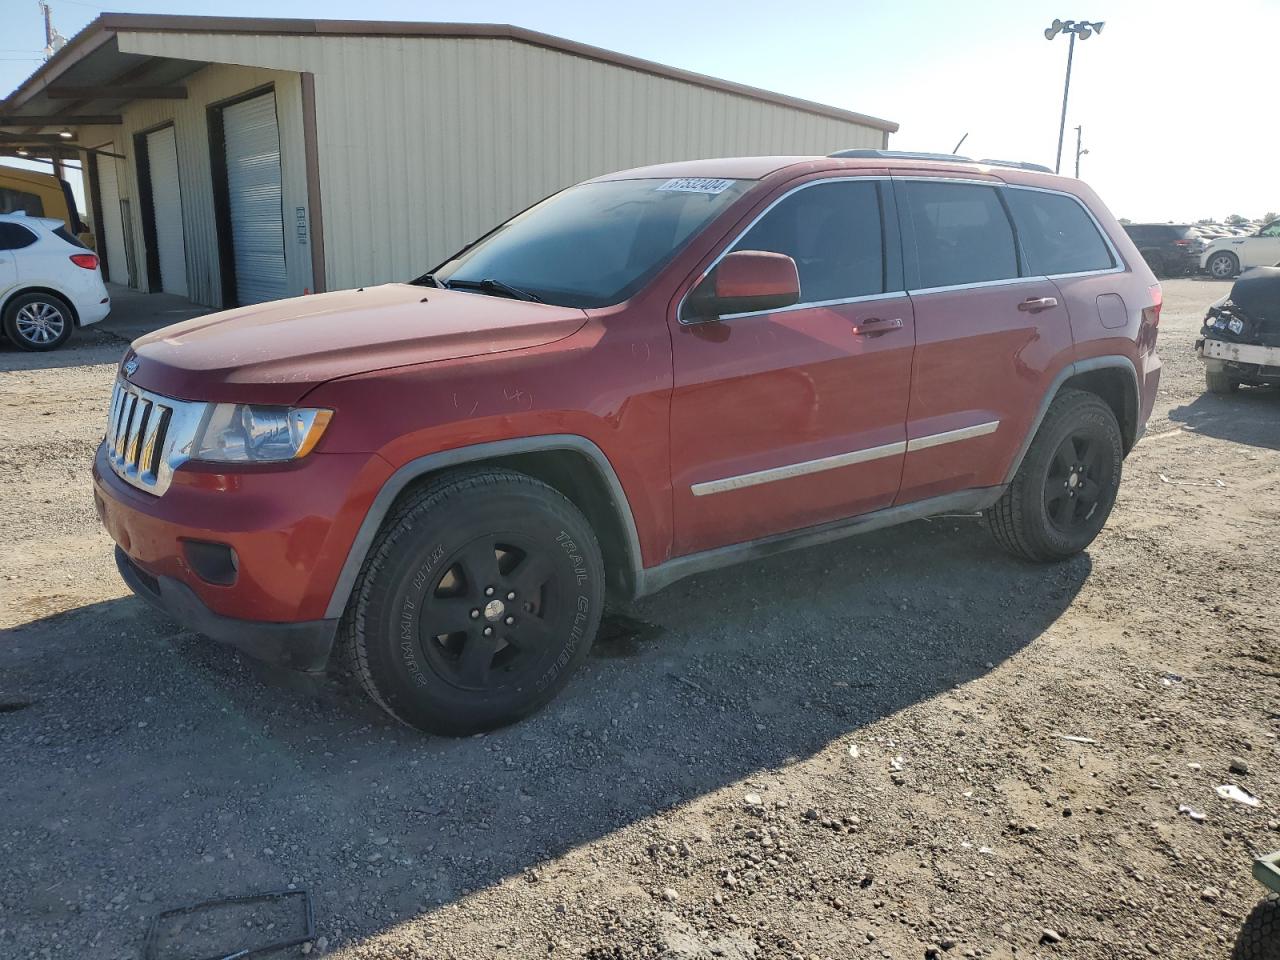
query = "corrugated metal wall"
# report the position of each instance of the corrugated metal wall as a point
(190, 119)
(425, 143)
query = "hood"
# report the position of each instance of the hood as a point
(276, 352)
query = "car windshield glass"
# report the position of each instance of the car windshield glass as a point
(592, 245)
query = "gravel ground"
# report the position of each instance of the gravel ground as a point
(871, 749)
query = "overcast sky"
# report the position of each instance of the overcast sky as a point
(1177, 99)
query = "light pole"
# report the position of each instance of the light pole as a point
(1080, 151)
(1076, 28)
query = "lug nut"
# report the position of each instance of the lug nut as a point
(475, 614)
(488, 591)
(488, 631)
(511, 595)
(509, 621)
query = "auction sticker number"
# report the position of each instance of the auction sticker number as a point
(697, 185)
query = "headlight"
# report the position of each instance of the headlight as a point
(246, 433)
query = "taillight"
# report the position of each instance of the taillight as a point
(1182, 243)
(1151, 320)
(87, 260)
(1157, 301)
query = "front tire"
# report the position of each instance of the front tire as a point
(1065, 488)
(1223, 266)
(480, 597)
(1259, 939)
(38, 321)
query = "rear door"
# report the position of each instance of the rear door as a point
(12, 239)
(783, 419)
(986, 335)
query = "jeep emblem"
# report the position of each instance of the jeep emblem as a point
(131, 367)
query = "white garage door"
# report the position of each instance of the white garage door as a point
(110, 231)
(253, 190)
(166, 203)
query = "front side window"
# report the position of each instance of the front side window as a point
(1271, 230)
(595, 244)
(962, 234)
(14, 237)
(20, 201)
(1057, 235)
(833, 233)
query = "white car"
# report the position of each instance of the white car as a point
(49, 283)
(1227, 256)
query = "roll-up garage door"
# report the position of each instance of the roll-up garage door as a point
(166, 203)
(252, 140)
(111, 229)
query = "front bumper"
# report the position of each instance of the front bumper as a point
(285, 533)
(300, 646)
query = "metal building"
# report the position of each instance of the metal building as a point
(238, 160)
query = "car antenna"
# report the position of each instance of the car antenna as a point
(960, 141)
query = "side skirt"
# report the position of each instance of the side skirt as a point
(653, 579)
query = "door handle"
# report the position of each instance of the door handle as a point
(873, 326)
(1036, 304)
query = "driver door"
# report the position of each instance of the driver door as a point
(787, 418)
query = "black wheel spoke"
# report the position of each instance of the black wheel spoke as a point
(531, 633)
(449, 615)
(479, 563)
(529, 576)
(476, 659)
(1090, 490)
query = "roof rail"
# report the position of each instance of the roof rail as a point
(871, 154)
(1018, 164)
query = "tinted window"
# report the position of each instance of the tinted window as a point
(1057, 235)
(832, 231)
(597, 243)
(19, 201)
(962, 234)
(14, 237)
(64, 234)
(1271, 230)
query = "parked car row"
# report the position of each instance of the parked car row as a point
(1182, 249)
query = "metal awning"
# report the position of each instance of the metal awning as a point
(85, 85)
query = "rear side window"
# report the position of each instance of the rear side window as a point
(62, 233)
(14, 237)
(962, 234)
(1057, 235)
(833, 233)
(19, 201)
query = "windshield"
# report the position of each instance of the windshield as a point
(592, 245)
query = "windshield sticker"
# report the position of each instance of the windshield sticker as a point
(697, 185)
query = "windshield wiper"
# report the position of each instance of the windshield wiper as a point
(489, 285)
(428, 280)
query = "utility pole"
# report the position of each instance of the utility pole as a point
(1080, 151)
(48, 28)
(1084, 30)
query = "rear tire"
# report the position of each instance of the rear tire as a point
(479, 598)
(1065, 487)
(38, 321)
(1259, 938)
(1219, 381)
(1223, 266)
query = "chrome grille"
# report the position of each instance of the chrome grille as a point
(148, 436)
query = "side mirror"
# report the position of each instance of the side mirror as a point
(743, 282)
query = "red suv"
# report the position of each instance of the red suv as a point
(642, 377)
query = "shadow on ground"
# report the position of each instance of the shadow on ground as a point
(1251, 415)
(155, 764)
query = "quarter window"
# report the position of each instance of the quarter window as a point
(833, 233)
(1057, 235)
(962, 234)
(14, 237)
(19, 201)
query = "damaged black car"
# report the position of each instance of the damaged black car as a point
(1240, 339)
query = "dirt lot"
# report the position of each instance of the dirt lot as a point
(696, 791)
